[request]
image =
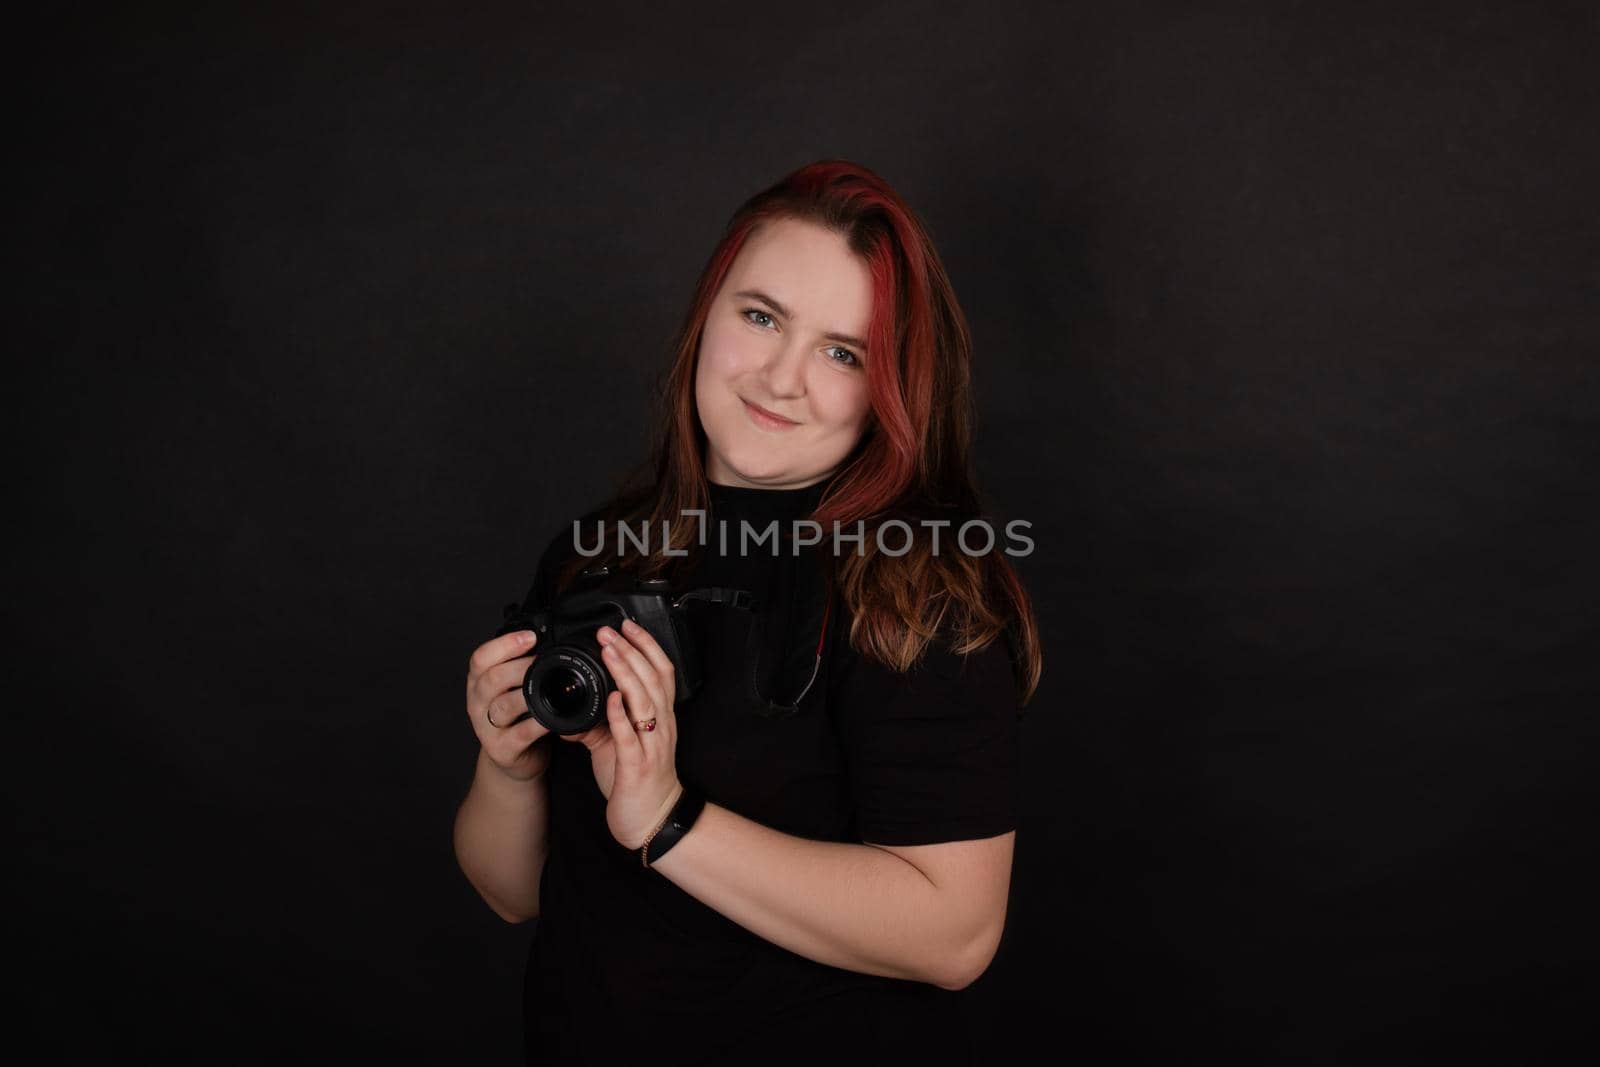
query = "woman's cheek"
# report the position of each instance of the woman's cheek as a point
(732, 359)
(840, 404)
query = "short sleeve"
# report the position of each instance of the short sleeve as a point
(933, 754)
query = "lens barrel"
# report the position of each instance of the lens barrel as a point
(566, 689)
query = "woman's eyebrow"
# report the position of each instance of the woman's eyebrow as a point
(757, 294)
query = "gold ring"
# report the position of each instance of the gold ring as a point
(648, 725)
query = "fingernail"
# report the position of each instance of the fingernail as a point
(605, 635)
(528, 637)
(629, 625)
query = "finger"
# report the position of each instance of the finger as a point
(504, 711)
(494, 718)
(630, 750)
(635, 677)
(641, 699)
(652, 650)
(523, 733)
(505, 678)
(500, 692)
(666, 681)
(498, 650)
(597, 737)
(590, 738)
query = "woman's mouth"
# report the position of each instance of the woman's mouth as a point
(766, 419)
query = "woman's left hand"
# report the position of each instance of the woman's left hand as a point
(635, 768)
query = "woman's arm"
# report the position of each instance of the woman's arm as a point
(930, 913)
(502, 839)
(859, 907)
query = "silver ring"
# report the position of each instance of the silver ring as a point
(488, 713)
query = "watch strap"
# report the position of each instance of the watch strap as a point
(682, 816)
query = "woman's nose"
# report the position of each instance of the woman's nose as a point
(786, 370)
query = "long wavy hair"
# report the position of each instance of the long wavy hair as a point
(912, 463)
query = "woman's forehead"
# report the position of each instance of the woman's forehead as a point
(808, 274)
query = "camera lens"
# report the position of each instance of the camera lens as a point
(565, 691)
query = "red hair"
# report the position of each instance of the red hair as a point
(912, 462)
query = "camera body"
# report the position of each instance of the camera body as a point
(567, 684)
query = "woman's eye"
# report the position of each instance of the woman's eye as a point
(849, 359)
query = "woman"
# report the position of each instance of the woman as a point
(813, 851)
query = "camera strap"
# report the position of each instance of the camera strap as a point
(717, 594)
(787, 635)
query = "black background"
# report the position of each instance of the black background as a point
(1286, 323)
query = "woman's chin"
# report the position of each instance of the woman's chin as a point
(751, 475)
(755, 466)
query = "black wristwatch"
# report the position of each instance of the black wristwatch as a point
(679, 819)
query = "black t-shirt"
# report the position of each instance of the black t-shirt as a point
(625, 962)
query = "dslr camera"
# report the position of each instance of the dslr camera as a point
(567, 684)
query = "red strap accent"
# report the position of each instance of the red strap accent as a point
(826, 610)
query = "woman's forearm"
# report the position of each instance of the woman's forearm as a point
(502, 838)
(847, 905)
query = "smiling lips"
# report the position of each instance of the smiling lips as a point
(766, 419)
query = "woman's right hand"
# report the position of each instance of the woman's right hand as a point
(494, 687)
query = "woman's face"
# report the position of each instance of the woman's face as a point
(796, 350)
